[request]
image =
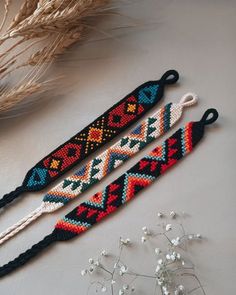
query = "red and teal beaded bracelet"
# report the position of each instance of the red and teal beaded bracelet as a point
(99, 132)
(120, 191)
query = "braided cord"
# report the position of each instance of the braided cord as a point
(8, 198)
(17, 227)
(27, 255)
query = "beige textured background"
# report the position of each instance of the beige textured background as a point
(198, 39)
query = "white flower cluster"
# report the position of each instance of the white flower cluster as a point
(171, 265)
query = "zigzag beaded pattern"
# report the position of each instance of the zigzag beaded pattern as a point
(95, 135)
(129, 184)
(121, 190)
(114, 156)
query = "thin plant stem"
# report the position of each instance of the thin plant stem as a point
(6, 6)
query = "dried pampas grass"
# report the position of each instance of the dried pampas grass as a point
(48, 29)
(15, 96)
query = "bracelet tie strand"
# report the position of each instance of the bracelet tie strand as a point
(92, 172)
(99, 132)
(120, 191)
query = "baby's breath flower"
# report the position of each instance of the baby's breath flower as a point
(122, 241)
(180, 290)
(125, 242)
(173, 257)
(160, 281)
(158, 268)
(84, 272)
(145, 230)
(143, 239)
(178, 256)
(128, 241)
(165, 290)
(157, 251)
(125, 287)
(160, 261)
(175, 242)
(123, 270)
(160, 215)
(104, 253)
(104, 289)
(166, 261)
(168, 227)
(168, 256)
(172, 214)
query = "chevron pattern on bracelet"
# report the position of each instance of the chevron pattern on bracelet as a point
(114, 156)
(128, 185)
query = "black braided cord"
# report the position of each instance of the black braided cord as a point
(27, 255)
(8, 198)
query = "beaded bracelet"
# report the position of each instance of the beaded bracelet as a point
(95, 135)
(120, 191)
(92, 172)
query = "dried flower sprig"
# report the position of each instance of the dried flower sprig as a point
(48, 29)
(172, 264)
